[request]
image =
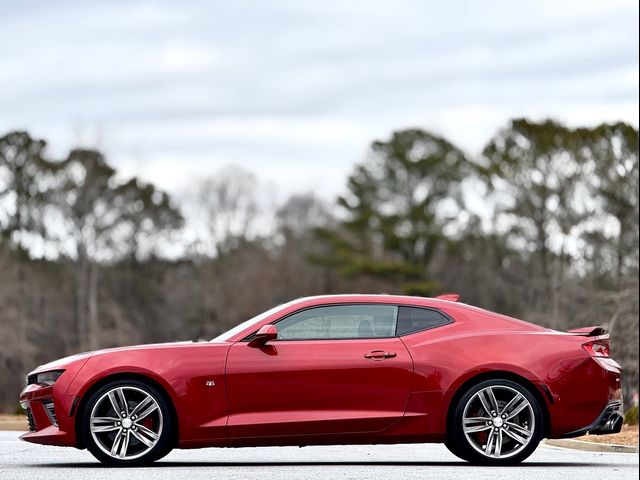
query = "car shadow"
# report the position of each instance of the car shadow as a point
(170, 464)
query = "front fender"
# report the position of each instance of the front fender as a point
(192, 376)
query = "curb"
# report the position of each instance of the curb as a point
(590, 446)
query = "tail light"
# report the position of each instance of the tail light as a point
(596, 349)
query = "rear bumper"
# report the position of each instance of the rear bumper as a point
(586, 398)
(609, 421)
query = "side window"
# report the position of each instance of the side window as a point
(339, 321)
(413, 319)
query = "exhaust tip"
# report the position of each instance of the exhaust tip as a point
(617, 424)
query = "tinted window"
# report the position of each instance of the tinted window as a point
(412, 319)
(339, 321)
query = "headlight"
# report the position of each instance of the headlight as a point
(45, 379)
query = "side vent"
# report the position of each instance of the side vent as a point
(51, 412)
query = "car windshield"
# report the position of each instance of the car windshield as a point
(238, 328)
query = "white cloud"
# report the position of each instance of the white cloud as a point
(296, 90)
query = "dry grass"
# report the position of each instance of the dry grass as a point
(628, 436)
(14, 422)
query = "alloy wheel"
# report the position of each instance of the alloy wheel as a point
(498, 421)
(126, 422)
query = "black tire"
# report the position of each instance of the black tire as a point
(453, 448)
(164, 442)
(462, 446)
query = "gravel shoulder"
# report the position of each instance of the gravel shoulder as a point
(628, 436)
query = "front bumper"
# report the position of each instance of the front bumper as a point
(51, 408)
(48, 423)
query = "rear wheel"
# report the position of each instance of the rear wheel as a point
(496, 422)
(127, 423)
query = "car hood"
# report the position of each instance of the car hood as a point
(66, 362)
(149, 346)
(63, 363)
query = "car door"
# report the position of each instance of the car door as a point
(332, 369)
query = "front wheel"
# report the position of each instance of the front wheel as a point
(496, 422)
(127, 423)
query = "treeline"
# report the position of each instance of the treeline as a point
(542, 225)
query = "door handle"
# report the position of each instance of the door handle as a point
(379, 355)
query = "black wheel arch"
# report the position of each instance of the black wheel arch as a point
(125, 376)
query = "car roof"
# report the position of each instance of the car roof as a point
(446, 306)
(449, 306)
(374, 298)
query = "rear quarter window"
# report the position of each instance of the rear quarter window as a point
(415, 319)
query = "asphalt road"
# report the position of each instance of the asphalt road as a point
(20, 460)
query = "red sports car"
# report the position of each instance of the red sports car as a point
(344, 369)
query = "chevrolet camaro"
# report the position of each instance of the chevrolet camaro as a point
(341, 369)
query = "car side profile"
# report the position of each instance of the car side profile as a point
(336, 369)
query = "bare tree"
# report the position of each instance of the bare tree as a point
(229, 204)
(23, 190)
(301, 214)
(610, 153)
(104, 221)
(570, 196)
(537, 179)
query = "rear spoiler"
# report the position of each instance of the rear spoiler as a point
(452, 297)
(589, 331)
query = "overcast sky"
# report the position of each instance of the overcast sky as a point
(296, 90)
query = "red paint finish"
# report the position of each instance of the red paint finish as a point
(365, 390)
(316, 387)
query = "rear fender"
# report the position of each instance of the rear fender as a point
(499, 371)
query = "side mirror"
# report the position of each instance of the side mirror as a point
(262, 336)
